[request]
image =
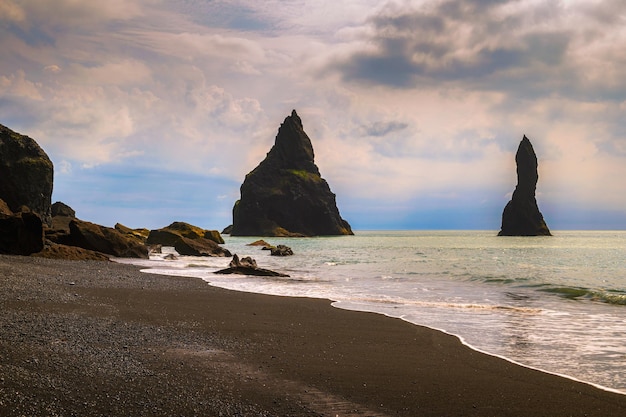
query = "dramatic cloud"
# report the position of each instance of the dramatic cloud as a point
(156, 109)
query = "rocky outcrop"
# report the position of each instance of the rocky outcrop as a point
(260, 242)
(280, 250)
(248, 266)
(521, 216)
(189, 240)
(168, 235)
(141, 235)
(26, 174)
(20, 233)
(71, 253)
(285, 195)
(199, 247)
(72, 238)
(62, 215)
(103, 239)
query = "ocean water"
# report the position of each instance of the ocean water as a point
(557, 303)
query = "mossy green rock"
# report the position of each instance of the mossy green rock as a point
(103, 239)
(168, 235)
(285, 195)
(26, 174)
(140, 234)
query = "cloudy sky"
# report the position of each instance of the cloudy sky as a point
(154, 110)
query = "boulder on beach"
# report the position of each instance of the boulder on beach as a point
(248, 266)
(285, 194)
(103, 239)
(21, 233)
(72, 253)
(168, 235)
(189, 240)
(26, 174)
(62, 215)
(140, 234)
(521, 216)
(199, 247)
(84, 238)
(260, 242)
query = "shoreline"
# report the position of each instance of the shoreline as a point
(495, 355)
(513, 361)
(74, 332)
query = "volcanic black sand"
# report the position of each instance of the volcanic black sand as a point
(81, 338)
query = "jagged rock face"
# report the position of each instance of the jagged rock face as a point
(285, 195)
(189, 240)
(521, 216)
(72, 238)
(103, 239)
(26, 174)
(199, 247)
(20, 233)
(168, 235)
(61, 209)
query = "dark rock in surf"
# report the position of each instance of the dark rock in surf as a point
(26, 174)
(261, 242)
(285, 194)
(521, 216)
(141, 235)
(248, 266)
(281, 250)
(246, 262)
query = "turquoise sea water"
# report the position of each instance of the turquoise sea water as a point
(553, 303)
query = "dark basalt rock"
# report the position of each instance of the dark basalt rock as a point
(103, 239)
(20, 233)
(62, 215)
(26, 174)
(61, 209)
(141, 235)
(281, 250)
(199, 247)
(521, 216)
(72, 238)
(168, 235)
(73, 253)
(261, 242)
(189, 240)
(248, 266)
(285, 195)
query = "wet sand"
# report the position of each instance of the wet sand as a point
(89, 338)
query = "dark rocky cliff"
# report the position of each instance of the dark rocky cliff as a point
(26, 174)
(521, 216)
(285, 195)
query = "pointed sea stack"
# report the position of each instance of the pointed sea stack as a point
(521, 216)
(285, 195)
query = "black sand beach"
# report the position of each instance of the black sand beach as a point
(81, 338)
